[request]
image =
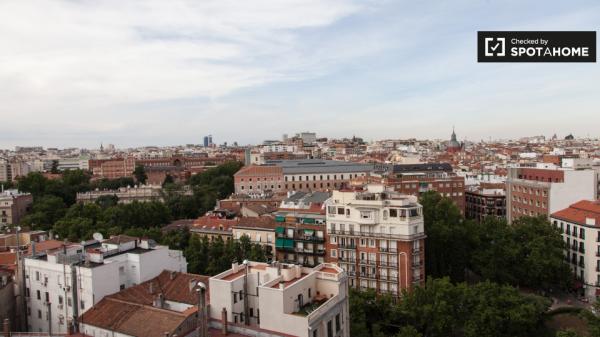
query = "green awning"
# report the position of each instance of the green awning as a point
(279, 242)
(280, 230)
(309, 220)
(280, 218)
(309, 232)
(284, 243)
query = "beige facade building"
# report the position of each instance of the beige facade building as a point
(13, 206)
(377, 236)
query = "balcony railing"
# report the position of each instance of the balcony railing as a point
(347, 259)
(388, 250)
(377, 235)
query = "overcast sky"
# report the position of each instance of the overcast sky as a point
(82, 72)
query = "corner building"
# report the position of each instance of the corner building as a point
(378, 237)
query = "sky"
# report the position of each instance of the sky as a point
(149, 72)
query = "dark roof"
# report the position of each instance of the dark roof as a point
(316, 166)
(430, 167)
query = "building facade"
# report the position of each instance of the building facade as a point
(534, 191)
(482, 202)
(62, 283)
(580, 227)
(378, 237)
(298, 175)
(13, 206)
(278, 299)
(301, 229)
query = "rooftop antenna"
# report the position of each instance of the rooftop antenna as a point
(98, 236)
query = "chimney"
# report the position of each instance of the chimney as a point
(33, 249)
(173, 274)
(6, 327)
(281, 285)
(224, 322)
(151, 288)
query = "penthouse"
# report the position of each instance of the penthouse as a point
(281, 300)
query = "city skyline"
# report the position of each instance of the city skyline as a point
(169, 73)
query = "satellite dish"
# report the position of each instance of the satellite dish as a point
(98, 236)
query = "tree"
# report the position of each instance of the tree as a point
(54, 168)
(106, 201)
(140, 174)
(168, 180)
(46, 210)
(449, 237)
(443, 309)
(527, 253)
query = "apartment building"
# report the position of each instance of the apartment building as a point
(485, 200)
(165, 305)
(298, 175)
(301, 229)
(545, 189)
(260, 230)
(259, 299)
(63, 282)
(580, 227)
(414, 179)
(378, 237)
(13, 206)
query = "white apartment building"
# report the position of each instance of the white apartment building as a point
(378, 237)
(63, 283)
(259, 299)
(580, 227)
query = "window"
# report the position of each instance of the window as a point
(39, 295)
(82, 304)
(337, 323)
(340, 210)
(234, 297)
(329, 329)
(393, 213)
(333, 253)
(39, 314)
(60, 300)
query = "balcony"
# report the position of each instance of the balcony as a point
(346, 246)
(416, 264)
(582, 250)
(347, 259)
(388, 250)
(311, 239)
(416, 250)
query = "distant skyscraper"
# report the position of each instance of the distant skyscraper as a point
(208, 141)
(205, 141)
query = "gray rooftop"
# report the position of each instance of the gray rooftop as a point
(317, 166)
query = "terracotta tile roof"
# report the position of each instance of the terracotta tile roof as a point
(580, 211)
(214, 223)
(176, 289)
(257, 222)
(259, 170)
(47, 245)
(132, 319)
